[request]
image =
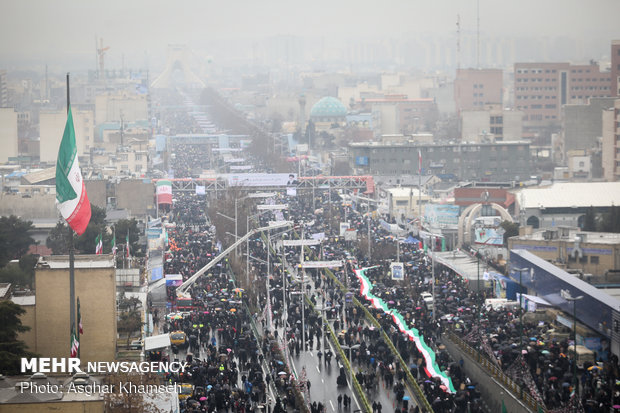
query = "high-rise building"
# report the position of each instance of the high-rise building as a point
(4, 90)
(8, 134)
(615, 68)
(476, 88)
(611, 143)
(542, 88)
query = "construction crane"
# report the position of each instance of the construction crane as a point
(100, 54)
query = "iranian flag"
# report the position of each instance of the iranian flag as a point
(99, 245)
(71, 197)
(164, 192)
(114, 244)
(80, 326)
(75, 343)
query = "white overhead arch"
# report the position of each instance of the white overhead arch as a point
(468, 215)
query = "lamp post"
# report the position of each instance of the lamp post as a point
(520, 271)
(565, 294)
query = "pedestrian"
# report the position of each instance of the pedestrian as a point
(379, 407)
(339, 401)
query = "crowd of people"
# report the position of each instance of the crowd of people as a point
(227, 357)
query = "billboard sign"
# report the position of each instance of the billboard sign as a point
(261, 179)
(398, 270)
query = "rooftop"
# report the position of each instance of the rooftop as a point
(81, 261)
(411, 142)
(570, 195)
(24, 299)
(608, 238)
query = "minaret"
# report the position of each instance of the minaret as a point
(302, 113)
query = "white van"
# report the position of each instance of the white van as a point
(428, 300)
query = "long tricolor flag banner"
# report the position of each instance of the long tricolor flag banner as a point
(71, 198)
(432, 369)
(164, 192)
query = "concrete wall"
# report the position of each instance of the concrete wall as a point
(96, 288)
(475, 123)
(136, 196)
(52, 126)
(97, 192)
(492, 391)
(582, 124)
(96, 406)
(38, 207)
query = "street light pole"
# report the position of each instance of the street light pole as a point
(433, 272)
(520, 270)
(565, 294)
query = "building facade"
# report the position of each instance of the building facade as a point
(476, 88)
(615, 68)
(582, 124)
(502, 161)
(570, 248)
(95, 285)
(8, 134)
(541, 89)
(52, 126)
(491, 125)
(611, 143)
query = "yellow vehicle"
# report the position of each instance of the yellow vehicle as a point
(178, 338)
(185, 390)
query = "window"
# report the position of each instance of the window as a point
(584, 259)
(594, 259)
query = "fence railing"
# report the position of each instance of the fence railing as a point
(343, 357)
(496, 372)
(412, 383)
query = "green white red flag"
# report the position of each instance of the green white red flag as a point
(75, 344)
(164, 192)
(99, 245)
(71, 198)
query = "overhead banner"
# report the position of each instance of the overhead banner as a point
(350, 235)
(398, 270)
(262, 179)
(272, 207)
(300, 242)
(320, 264)
(200, 190)
(241, 167)
(174, 280)
(262, 195)
(440, 214)
(344, 226)
(489, 236)
(164, 192)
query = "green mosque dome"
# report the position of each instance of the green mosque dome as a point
(328, 107)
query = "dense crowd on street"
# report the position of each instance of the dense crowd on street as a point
(232, 369)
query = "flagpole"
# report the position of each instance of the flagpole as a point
(71, 248)
(77, 332)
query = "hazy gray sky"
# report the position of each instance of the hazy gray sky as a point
(50, 29)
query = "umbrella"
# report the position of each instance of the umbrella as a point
(232, 310)
(282, 373)
(406, 398)
(443, 387)
(594, 368)
(203, 398)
